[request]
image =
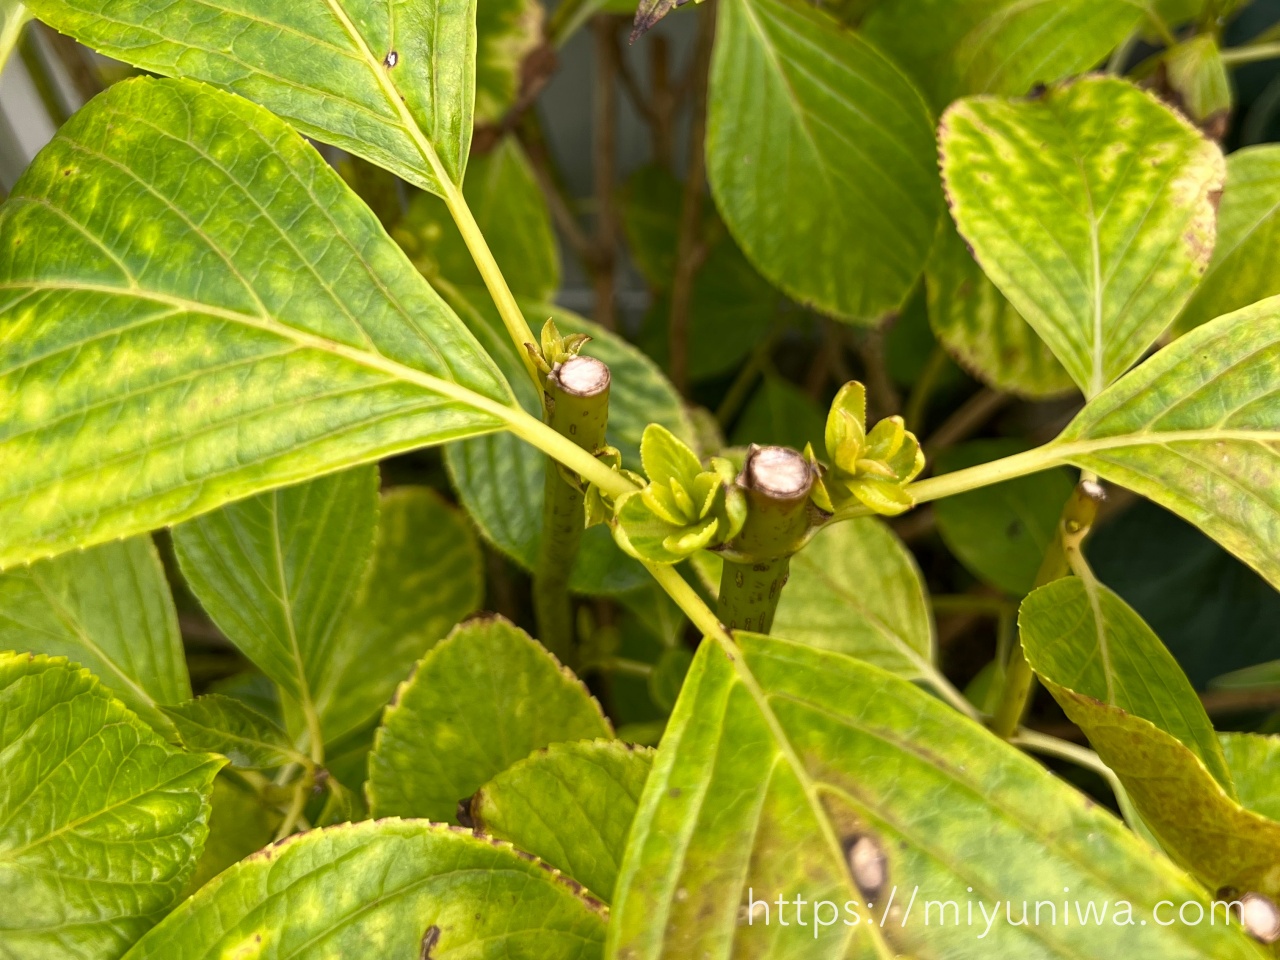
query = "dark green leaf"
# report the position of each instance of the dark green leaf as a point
(787, 770)
(426, 575)
(1213, 613)
(1091, 208)
(571, 805)
(391, 83)
(482, 699)
(1240, 272)
(392, 890)
(1001, 532)
(957, 47)
(277, 573)
(108, 608)
(218, 724)
(220, 316)
(820, 156)
(101, 821)
(782, 414)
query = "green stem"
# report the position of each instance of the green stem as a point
(512, 316)
(1251, 54)
(1077, 519)
(776, 483)
(301, 789)
(577, 405)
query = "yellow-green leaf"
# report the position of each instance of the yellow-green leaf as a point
(393, 83)
(392, 889)
(193, 309)
(101, 821)
(1091, 207)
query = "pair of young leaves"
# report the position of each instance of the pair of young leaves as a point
(685, 508)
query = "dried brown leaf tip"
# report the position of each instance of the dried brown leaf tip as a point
(649, 13)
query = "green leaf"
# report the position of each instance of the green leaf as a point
(1143, 718)
(957, 47)
(1002, 532)
(482, 699)
(1254, 761)
(101, 821)
(218, 724)
(787, 770)
(108, 608)
(856, 589)
(570, 805)
(510, 211)
(239, 824)
(1091, 647)
(731, 307)
(278, 572)
(239, 287)
(780, 413)
(508, 33)
(500, 480)
(1101, 262)
(1248, 239)
(391, 83)
(397, 890)
(1197, 429)
(982, 330)
(427, 574)
(802, 109)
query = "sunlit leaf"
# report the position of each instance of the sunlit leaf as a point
(820, 156)
(391, 83)
(278, 572)
(1197, 429)
(1115, 680)
(856, 589)
(101, 821)
(220, 316)
(571, 805)
(1254, 762)
(109, 609)
(786, 768)
(1091, 208)
(13, 17)
(398, 890)
(479, 701)
(981, 329)
(426, 574)
(1240, 272)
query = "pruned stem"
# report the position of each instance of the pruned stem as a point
(1077, 519)
(776, 482)
(577, 407)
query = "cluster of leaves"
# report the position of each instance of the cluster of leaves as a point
(206, 328)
